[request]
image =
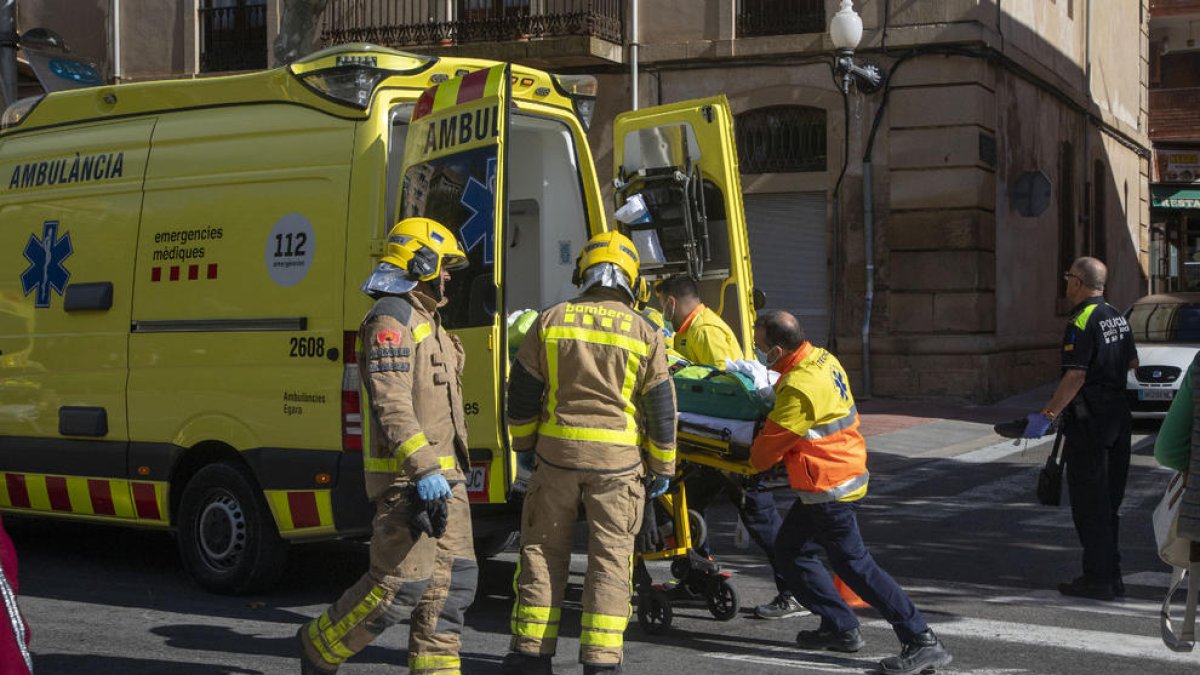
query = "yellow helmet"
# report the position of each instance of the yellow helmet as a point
(610, 247)
(422, 247)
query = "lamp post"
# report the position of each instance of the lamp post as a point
(845, 30)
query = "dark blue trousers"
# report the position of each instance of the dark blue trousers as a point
(1097, 452)
(756, 508)
(833, 527)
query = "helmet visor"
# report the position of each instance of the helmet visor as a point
(388, 279)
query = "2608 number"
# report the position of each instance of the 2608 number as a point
(306, 347)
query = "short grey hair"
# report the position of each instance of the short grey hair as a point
(1092, 272)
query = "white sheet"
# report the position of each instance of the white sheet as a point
(737, 431)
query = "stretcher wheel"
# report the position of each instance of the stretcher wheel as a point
(654, 612)
(722, 599)
(698, 527)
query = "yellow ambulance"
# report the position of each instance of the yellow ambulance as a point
(180, 265)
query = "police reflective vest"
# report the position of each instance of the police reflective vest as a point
(410, 367)
(706, 339)
(813, 429)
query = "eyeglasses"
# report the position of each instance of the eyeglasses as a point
(1068, 275)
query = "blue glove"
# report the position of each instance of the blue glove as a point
(1036, 425)
(526, 460)
(433, 487)
(658, 486)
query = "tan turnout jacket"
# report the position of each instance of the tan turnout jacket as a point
(411, 370)
(596, 358)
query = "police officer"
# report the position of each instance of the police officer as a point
(1097, 352)
(589, 383)
(813, 430)
(411, 368)
(704, 338)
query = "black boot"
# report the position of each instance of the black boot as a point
(848, 641)
(1082, 587)
(923, 653)
(610, 669)
(516, 663)
(308, 667)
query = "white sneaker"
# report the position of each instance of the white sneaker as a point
(784, 606)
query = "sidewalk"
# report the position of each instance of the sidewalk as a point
(929, 428)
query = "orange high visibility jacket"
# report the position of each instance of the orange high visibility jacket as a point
(706, 339)
(813, 429)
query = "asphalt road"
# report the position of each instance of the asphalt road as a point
(958, 529)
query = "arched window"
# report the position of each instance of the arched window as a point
(783, 138)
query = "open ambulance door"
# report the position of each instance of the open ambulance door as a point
(681, 160)
(452, 172)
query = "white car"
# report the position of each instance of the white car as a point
(1166, 328)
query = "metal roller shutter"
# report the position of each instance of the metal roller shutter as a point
(788, 251)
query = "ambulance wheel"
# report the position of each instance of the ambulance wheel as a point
(654, 612)
(227, 536)
(722, 599)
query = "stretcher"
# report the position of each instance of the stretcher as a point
(703, 441)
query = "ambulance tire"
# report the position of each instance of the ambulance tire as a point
(227, 537)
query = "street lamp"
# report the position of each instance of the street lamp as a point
(845, 30)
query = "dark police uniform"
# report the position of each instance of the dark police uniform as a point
(1097, 427)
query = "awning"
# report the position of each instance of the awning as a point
(1174, 197)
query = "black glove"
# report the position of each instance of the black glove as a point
(649, 539)
(427, 517)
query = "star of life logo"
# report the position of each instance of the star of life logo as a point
(46, 271)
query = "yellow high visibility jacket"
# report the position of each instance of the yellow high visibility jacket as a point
(813, 429)
(411, 369)
(706, 339)
(590, 386)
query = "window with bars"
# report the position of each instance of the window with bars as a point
(233, 35)
(780, 139)
(780, 17)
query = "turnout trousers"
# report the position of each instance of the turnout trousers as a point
(1097, 452)
(613, 505)
(833, 527)
(431, 581)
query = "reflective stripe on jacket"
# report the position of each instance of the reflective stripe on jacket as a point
(706, 339)
(411, 371)
(813, 429)
(597, 358)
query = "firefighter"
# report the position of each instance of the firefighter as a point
(813, 430)
(411, 368)
(701, 336)
(588, 385)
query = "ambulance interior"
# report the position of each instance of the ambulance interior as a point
(684, 228)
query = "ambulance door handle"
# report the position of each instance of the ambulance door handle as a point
(97, 295)
(79, 420)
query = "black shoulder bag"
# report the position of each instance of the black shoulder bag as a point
(1049, 485)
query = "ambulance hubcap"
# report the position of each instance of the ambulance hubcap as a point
(222, 531)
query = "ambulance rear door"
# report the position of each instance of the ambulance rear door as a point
(681, 162)
(453, 173)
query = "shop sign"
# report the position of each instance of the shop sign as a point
(1182, 167)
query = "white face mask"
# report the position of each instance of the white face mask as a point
(762, 357)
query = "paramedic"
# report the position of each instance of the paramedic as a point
(411, 369)
(588, 370)
(704, 338)
(813, 430)
(1097, 353)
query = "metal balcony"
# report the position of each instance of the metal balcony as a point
(416, 23)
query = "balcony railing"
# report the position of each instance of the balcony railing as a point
(233, 38)
(780, 17)
(404, 23)
(1159, 8)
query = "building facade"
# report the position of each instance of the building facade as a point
(1175, 134)
(921, 230)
